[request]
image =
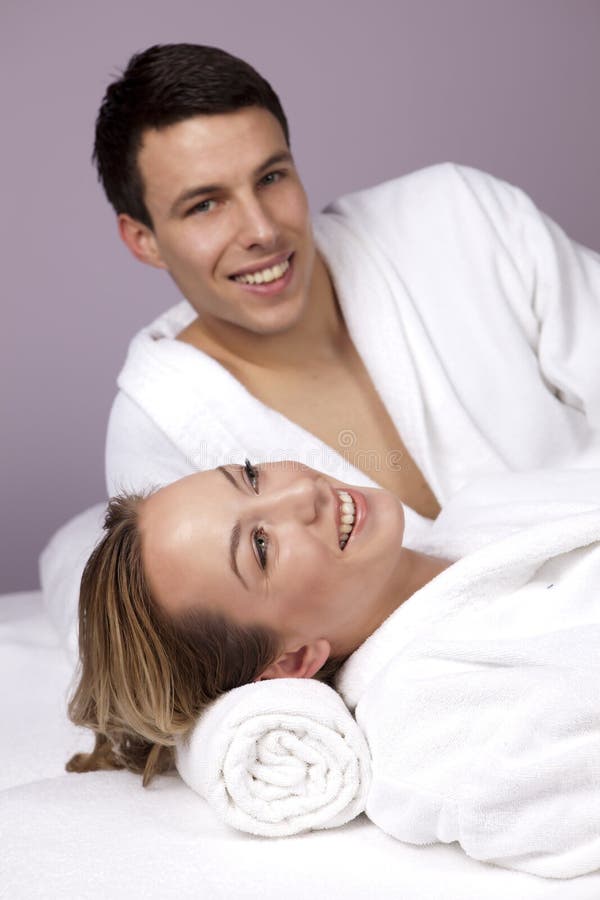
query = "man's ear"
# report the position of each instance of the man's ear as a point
(140, 241)
(301, 663)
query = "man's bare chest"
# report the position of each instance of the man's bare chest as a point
(341, 407)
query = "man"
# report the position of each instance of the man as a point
(427, 331)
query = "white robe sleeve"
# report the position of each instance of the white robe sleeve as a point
(561, 280)
(493, 744)
(139, 455)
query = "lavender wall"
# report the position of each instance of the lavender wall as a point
(372, 89)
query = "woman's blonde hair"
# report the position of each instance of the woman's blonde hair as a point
(145, 677)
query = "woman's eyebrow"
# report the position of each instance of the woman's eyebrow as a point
(236, 531)
(229, 476)
(233, 547)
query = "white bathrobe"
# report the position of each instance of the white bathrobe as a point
(476, 317)
(479, 697)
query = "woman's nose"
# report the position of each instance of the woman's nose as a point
(301, 500)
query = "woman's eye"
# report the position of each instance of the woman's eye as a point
(261, 542)
(251, 473)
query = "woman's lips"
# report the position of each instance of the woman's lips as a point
(360, 504)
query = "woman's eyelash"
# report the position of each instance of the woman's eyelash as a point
(251, 473)
(261, 541)
(260, 538)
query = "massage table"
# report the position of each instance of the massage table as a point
(101, 835)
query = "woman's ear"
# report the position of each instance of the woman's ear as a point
(140, 241)
(301, 663)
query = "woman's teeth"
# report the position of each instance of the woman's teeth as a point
(265, 275)
(347, 517)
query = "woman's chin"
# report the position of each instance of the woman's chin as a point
(380, 521)
(393, 514)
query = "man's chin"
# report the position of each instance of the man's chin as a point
(279, 319)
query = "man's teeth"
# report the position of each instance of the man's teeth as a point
(265, 275)
(347, 517)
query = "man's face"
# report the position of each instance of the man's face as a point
(231, 219)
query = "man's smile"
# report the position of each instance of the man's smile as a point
(267, 279)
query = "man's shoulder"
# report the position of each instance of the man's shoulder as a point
(167, 324)
(158, 335)
(435, 180)
(438, 197)
(158, 365)
(427, 179)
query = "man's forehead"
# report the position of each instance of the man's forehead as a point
(211, 148)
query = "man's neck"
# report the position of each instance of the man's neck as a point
(319, 337)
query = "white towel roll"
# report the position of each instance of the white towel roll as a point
(278, 757)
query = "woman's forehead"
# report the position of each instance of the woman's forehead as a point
(181, 528)
(178, 499)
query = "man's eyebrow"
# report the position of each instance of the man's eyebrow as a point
(282, 156)
(194, 193)
(236, 531)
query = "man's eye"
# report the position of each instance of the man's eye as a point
(261, 542)
(203, 207)
(251, 473)
(271, 178)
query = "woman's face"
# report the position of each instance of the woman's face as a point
(279, 545)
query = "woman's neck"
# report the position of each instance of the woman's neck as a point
(413, 572)
(418, 570)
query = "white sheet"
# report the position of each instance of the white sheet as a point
(101, 835)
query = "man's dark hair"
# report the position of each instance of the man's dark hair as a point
(161, 86)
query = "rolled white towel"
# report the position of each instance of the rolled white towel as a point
(278, 757)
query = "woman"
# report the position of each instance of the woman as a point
(477, 697)
(223, 578)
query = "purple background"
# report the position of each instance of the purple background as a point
(372, 90)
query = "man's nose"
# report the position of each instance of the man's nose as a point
(256, 224)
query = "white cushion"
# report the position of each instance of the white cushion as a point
(61, 565)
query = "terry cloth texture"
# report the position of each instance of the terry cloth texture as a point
(278, 757)
(479, 695)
